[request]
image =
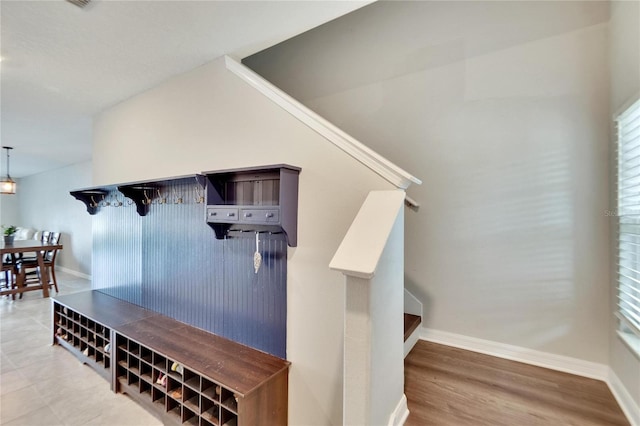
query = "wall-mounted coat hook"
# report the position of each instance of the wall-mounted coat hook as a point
(146, 201)
(177, 199)
(161, 199)
(199, 195)
(116, 201)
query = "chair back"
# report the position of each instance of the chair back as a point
(50, 255)
(44, 237)
(54, 238)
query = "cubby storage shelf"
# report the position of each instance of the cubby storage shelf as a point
(257, 199)
(84, 337)
(186, 397)
(208, 380)
(83, 323)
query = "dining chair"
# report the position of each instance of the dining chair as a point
(50, 258)
(30, 257)
(45, 236)
(9, 271)
(31, 268)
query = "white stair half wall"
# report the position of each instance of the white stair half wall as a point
(371, 256)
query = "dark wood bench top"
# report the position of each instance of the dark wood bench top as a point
(100, 307)
(229, 363)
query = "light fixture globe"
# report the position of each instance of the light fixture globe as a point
(7, 185)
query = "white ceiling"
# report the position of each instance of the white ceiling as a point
(62, 64)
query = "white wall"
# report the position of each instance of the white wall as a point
(502, 109)
(10, 209)
(625, 86)
(209, 119)
(45, 204)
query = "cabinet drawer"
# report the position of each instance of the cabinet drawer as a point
(260, 215)
(222, 214)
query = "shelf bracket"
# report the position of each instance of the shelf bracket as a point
(91, 198)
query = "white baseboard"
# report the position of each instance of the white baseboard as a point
(624, 398)
(400, 414)
(73, 272)
(562, 363)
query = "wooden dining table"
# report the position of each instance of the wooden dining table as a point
(14, 251)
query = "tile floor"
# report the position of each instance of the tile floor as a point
(41, 384)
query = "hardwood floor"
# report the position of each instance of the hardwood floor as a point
(450, 386)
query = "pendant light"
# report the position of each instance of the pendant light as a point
(7, 185)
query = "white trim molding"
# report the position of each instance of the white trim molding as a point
(338, 137)
(562, 363)
(73, 272)
(624, 398)
(400, 414)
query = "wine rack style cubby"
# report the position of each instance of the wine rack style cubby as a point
(178, 393)
(87, 339)
(181, 374)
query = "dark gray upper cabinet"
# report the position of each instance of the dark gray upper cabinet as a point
(258, 199)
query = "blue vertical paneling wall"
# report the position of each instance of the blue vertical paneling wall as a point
(169, 261)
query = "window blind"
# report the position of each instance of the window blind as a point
(628, 126)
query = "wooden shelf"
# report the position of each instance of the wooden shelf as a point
(142, 193)
(255, 199)
(215, 381)
(91, 197)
